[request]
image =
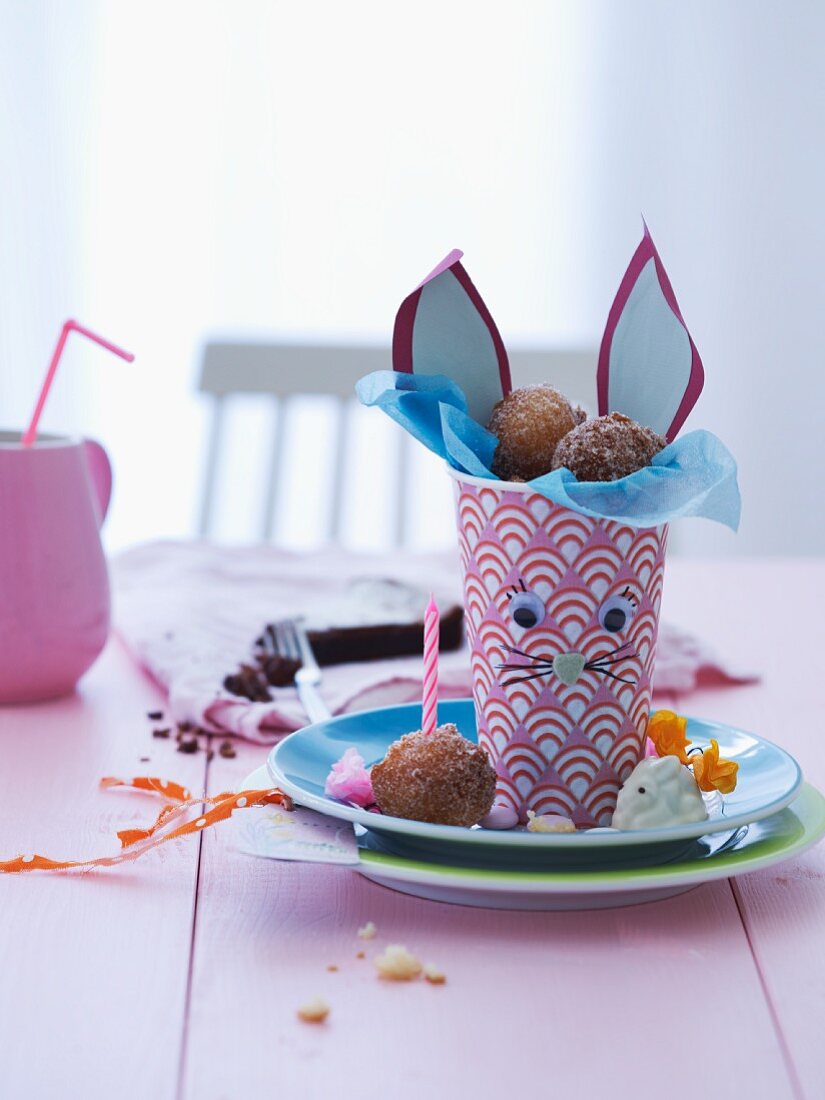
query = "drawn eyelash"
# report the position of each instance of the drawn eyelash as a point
(514, 589)
(628, 595)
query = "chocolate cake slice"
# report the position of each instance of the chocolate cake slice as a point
(374, 618)
(377, 617)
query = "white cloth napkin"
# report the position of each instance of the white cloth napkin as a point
(190, 611)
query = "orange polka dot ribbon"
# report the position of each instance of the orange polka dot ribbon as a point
(182, 816)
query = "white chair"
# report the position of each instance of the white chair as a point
(281, 372)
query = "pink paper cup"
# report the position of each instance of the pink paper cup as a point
(562, 614)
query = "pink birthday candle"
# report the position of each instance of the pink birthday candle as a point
(430, 695)
(69, 326)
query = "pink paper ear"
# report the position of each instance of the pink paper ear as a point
(444, 327)
(649, 368)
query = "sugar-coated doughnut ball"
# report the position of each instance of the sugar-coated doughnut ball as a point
(529, 423)
(439, 777)
(607, 448)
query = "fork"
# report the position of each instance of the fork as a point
(291, 641)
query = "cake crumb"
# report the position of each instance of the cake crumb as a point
(361, 955)
(434, 975)
(549, 823)
(368, 931)
(396, 964)
(314, 1011)
(332, 968)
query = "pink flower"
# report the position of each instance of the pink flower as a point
(349, 780)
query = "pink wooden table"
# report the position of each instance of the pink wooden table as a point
(179, 975)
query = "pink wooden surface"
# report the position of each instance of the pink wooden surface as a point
(770, 616)
(93, 969)
(721, 989)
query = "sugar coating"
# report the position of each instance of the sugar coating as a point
(607, 448)
(397, 964)
(529, 422)
(440, 777)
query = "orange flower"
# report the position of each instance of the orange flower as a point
(667, 732)
(712, 773)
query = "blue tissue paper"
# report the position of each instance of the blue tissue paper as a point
(693, 476)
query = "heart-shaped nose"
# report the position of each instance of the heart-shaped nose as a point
(568, 667)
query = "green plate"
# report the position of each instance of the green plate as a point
(751, 848)
(764, 843)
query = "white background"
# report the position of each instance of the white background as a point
(172, 170)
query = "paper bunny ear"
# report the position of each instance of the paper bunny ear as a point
(649, 368)
(444, 327)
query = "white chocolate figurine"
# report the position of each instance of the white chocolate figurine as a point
(657, 793)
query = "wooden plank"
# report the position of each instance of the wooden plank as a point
(618, 1003)
(766, 615)
(94, 968)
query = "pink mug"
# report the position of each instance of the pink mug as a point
(54, 588)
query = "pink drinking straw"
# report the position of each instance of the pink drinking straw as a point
(429, 704)
(70, 326)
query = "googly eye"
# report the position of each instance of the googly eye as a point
(616, 612)
(527, 609)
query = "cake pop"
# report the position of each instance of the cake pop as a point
(607, 448)
(440, 777)
(529, 422)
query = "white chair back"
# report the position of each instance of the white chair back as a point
(281, 372)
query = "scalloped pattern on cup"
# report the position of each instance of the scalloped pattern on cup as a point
(558, 748)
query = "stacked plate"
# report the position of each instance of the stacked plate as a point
(771, 816)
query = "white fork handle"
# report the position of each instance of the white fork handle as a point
(311, 701)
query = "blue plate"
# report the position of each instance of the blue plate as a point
(769, 778)
(753, 847)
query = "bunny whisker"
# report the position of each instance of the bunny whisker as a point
(602, 662)
(621, 679)
(524, 679)
(534, 665)
(612, 657)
